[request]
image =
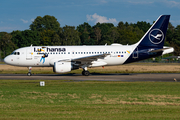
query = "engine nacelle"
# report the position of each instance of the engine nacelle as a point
(62, 67)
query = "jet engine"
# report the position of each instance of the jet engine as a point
(62, 67)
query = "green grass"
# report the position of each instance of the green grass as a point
(59, 99)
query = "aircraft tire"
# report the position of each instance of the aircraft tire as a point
(29, 74)
(86, 73)
(82, 72)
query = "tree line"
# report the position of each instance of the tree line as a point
(46, 30)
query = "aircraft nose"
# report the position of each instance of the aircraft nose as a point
(7, 60)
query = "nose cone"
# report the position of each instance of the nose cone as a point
(7, 60)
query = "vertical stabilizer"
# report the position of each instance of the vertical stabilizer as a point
(155, 36)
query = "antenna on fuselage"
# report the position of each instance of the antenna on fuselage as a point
(31, 45)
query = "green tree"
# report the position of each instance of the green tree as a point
(97, 32)
(111, 36)
(104, 27)
(176, 40)
(6, 45)
(169, 34)
(45, 23)
(25, 38)
(142, 26)
(47, 37)
(70, 36)
(86, 34)
(121, 26)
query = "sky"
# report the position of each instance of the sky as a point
(19, 14)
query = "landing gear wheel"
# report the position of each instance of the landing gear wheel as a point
(82, 72)
(29, 74)
(85, 73)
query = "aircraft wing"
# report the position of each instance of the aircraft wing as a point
(89, 59)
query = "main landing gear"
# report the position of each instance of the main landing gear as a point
(29, 73)
(85, 72)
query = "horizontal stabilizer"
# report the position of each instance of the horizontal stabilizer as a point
(159, 50)
(165, 50)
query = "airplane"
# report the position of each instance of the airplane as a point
(66, 58)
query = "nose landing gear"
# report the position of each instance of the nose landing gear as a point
(29, 73)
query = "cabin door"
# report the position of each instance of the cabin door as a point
(135, 53)
(29, 53)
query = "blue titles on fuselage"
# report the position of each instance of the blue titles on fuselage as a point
(50, 49)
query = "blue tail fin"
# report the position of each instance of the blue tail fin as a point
(154, 37)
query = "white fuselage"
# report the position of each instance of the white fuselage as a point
(31, 56)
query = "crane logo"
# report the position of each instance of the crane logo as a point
(156, 36)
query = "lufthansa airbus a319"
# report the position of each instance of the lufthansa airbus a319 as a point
(66, 58)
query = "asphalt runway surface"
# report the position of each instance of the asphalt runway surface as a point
(166, 77)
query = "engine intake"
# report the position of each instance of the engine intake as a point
(62, 67)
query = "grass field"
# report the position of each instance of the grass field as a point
(58, 99)
(129, 68)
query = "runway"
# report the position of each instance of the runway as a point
(169, 77)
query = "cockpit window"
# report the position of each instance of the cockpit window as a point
(15, 53)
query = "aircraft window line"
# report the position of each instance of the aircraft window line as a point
(15, 53)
